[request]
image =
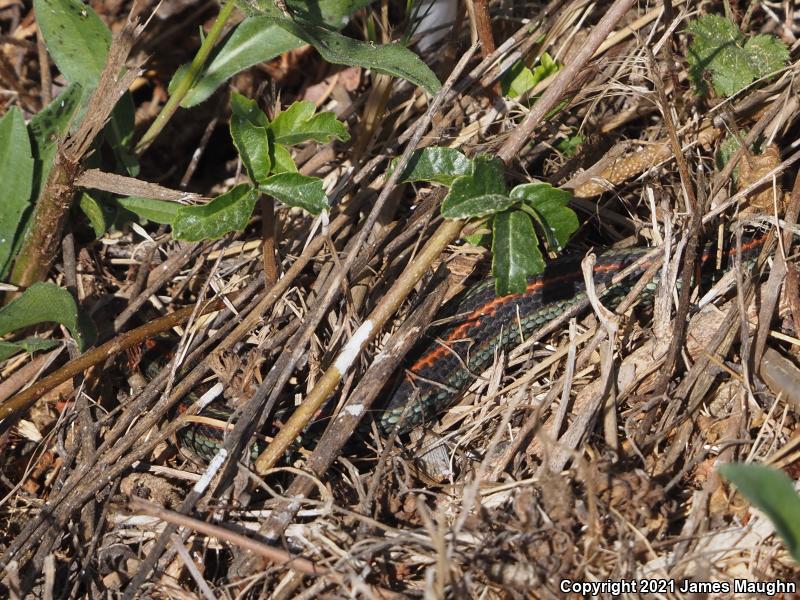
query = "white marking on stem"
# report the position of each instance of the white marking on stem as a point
(213, 467)
(353, 347)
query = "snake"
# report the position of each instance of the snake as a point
(449, 358)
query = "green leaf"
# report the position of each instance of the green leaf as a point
(249, 132)
(95, 213)
(47, 127)
(29, 345)
(253, 41)
(481, 193)
(76, 38)
(46, 303)
(549, 206)
(158, 211)
(772, 492)
(473, 239)
(391, 59)
(332, 13)
(515, 252)
(16, 173)
(297, 190)
(228, 212)
(282, 161)
(257, 39)
(435, 164)
(519, 78)
(733, 60)
(298, 123)
(247, 109)
(570, 145)
(466, 206)
(118, 133)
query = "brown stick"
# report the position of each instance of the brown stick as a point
(268, 236)
(483, 22)
(695, 226)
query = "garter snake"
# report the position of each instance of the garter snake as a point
(451, 357)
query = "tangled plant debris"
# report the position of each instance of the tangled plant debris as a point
(393, 298)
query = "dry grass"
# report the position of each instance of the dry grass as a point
(590, 455)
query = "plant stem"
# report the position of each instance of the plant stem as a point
(269, 247)
(188, 80)
(483, 23)
(42, 242)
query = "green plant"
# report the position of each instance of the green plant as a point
(570, 145)
(732, 59)
(43, 303)
(520, 79)
(269, 31)
(478, 193)
(772, 492)
(39, 176)
(78, 42)
(263, 148)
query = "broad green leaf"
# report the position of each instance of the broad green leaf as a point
(298, 123)
(297, 190)
(16, 175)
(515, 252)
(733, 59)
(549, 205)
(47, 127)
(50, 124)
(558, 222)
(47, 303)
(229, 212)
(435, 164)
(332, 13)
(772, 492)
(481, 193)
(29, 345)
(391, 59)
(158, 211)
(253, 41)
(468, 206)
(247, 109)
(249, 132)
(282, 161)
(519, 78)
(76, 38)
(257, 39)
(95, 213)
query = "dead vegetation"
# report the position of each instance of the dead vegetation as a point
(590, 453)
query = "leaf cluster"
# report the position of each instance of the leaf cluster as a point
(519, 78)
(478, 191)
(263, 146)
(732, 59)
(267, 33)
